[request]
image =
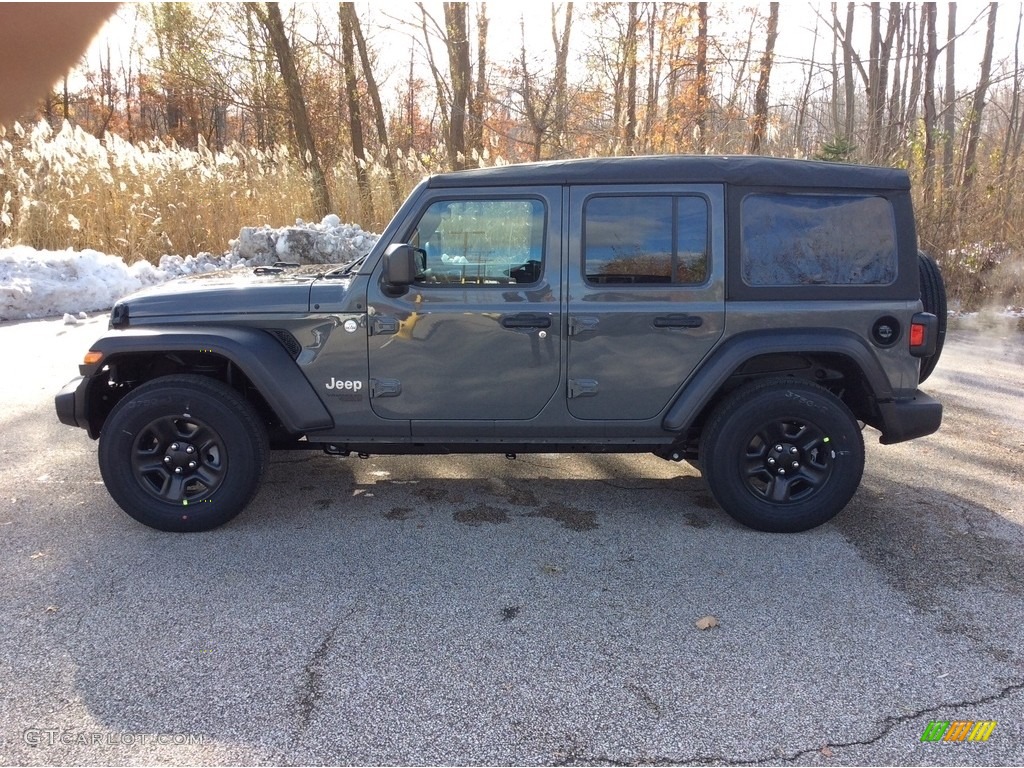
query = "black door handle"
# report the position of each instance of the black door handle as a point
(678, 321)
(525, 321)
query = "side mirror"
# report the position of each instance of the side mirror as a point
(402, 264)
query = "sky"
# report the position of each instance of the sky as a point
(388, 27)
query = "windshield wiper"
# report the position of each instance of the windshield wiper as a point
(346, 269)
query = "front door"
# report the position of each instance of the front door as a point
(478, 336)
(646, 294)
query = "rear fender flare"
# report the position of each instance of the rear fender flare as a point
(724, 361)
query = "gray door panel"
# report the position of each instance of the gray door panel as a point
(480, 337)
(637, 328)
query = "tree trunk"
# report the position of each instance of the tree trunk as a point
(651, 107)
(874, 61)
(629, 129)
(561, 86)
(805, 98)
(930, 116)
(457, 42)
(878, 77)
(1012, 143)
(978, 103)
(537, 105)
(761, 96)
(478, 100)
(834, 102)
(891, 128)
(916, 76)
(702, 78)
(379, 118)
(271, 19)
(443, 102)
(355, 117)
(949, 103)
(851, 95)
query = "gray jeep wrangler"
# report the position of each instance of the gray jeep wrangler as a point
(746, 314)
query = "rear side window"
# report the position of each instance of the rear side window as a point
(646, 240)
(805, 239)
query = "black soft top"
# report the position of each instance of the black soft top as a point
(741, 170)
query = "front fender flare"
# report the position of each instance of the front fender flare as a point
(256, 353)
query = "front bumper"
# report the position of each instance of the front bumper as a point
(71, 403)
(910, 417)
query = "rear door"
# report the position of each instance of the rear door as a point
(646, 297)
(478, 337)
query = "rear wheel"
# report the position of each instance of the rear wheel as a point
(182, 453)
(782, 455)
(933, 297)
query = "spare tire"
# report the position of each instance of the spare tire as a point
(933, 296)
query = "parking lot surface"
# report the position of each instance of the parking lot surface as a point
(476, 610)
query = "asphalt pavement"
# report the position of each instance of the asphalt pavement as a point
(477, 610)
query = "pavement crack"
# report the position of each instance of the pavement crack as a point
(644, 695)
(311, 684)
(888, 724)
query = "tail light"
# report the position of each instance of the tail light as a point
(924, 334)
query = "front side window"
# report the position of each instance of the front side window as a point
(481, 242)
(646, 240)
(805, 239)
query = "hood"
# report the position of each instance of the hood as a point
(224, 293)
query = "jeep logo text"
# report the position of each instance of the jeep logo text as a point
(347, 384)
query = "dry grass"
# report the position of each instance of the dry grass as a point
(68, 189)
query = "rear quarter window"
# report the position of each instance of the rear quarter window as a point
(817, 239)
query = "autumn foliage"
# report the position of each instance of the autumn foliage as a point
(226, 115)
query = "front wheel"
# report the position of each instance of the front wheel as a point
(782, 455)
(182, 453)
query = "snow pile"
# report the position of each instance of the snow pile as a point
(42, 283)
(329, 242)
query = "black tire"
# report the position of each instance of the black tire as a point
(933, 297)
(193, 424)
(782, 455)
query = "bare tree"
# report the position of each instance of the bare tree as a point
(654, 62)
(1010, 158)
(379, 117)
(355, 117)
(561, 85)
(978, 103)
(538, 105)
(270, 16)
(760, 123)
(702, 78)
(917, 74)
(630, 62)
(877, 80)
(453, 93)
(457, 42)
(949, 102)
(805, 97)
(478, 98)
(930, 115)
(849, 83)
